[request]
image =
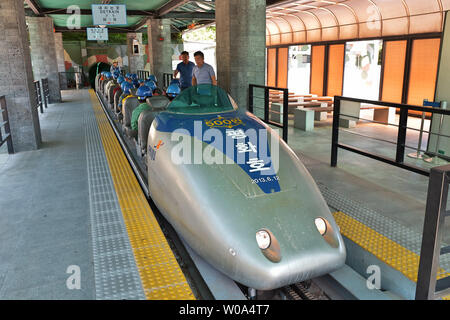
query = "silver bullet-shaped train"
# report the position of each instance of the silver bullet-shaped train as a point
(237, 194)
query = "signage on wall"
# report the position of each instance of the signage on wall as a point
(109, 14)
(97, 34)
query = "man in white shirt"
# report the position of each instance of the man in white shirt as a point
(203, 73)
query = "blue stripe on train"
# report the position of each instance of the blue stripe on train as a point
(258, 165)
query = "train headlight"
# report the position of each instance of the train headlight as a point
(263, 239)
(321, 225)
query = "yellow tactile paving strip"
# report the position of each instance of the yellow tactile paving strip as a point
(388, 251)
(161, 276)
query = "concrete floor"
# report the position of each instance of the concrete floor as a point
(44, 205)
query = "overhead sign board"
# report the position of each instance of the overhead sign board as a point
(109, 14)
(96, 34)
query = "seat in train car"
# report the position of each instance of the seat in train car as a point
(116, 100)
(128, 108)
(158, 104)
(110, 94)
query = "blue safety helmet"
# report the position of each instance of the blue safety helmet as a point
(120, 79)
(116, 75)
(151, 84)
(152, 77)
(141, 81)
(128, 75)
(144, 92)
(134, 76)
(175, 81)
(135, 83)
(126, 87)
(173, 90)
(108, 75)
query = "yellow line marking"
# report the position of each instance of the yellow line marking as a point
(161, 276)
(388, 251)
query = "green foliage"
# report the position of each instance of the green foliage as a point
(177, 37)
(206, 34)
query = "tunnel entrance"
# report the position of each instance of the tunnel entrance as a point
(95, 69)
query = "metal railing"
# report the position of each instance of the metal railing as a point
(167, 78)
(429, 287)
(45, 92)
(39, 102)
(267, 110)
(143, 74)
(399, 160)
(74, 80)
(5, 124)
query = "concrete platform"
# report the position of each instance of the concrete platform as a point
(62, 209)
(45, 216)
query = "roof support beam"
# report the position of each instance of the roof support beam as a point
(170, 6)
(89, 12)
(190, 15)
(148, 14)
(83, 29)
(34, 6)
(142, 23)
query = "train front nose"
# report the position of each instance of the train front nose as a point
(276, 257)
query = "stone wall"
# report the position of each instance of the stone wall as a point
(43, 54)
(16, 77)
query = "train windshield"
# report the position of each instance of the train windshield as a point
(203, 98)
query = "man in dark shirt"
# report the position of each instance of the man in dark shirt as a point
(185, 69)
(115, 68)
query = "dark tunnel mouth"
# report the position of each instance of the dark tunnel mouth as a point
(100, 66)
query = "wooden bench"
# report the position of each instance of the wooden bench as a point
(292, 98)
(304, 116)
(275, 110)
(366, 111)
(280, 100)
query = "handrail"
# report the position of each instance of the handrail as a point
(46, 92)
(37, 89)
(167, 78)
(429, 287)
(143, 74)
(401, 136)
(5, 123)
(266, 118)
(73, 78)
(395, 105)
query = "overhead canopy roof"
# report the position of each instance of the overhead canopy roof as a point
(181, 12)
(306, 21)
